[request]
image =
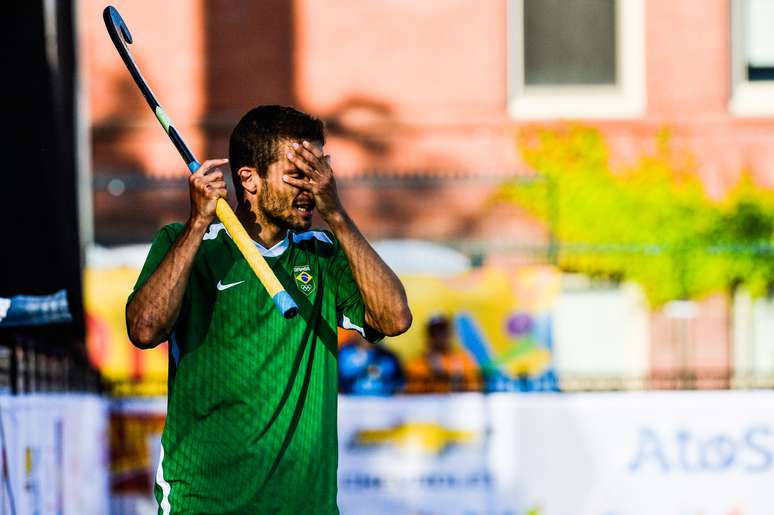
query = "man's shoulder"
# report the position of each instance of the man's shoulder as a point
(215, 232)
(172, 229)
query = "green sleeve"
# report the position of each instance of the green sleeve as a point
(350, 310)
(159, 248)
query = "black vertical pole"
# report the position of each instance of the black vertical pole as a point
(40, 241)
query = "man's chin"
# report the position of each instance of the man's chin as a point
(293, 223)
(298, 225)
(304, 226)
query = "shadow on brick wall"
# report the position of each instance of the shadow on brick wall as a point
(250, 54)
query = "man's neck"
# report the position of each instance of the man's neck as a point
(260, 230)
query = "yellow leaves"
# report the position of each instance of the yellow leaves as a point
(650, 222)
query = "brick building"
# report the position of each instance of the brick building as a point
(422, 100)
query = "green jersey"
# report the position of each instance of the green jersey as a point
(251, 414)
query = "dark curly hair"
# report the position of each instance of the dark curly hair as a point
(255, 139)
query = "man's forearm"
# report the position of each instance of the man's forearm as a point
(383, 294)
(153, 310)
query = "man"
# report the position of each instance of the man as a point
(251, 418)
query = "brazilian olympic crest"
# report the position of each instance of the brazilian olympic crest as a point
(304, 279)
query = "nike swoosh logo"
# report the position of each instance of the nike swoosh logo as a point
(222, 286)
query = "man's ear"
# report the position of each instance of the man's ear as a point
(247, 177)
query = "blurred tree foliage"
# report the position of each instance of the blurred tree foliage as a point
(651, 223)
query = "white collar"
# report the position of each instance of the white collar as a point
(277, 249)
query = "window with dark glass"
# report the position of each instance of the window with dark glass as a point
(570, 43)
(758, 39)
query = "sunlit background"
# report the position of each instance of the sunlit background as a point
(577, 194)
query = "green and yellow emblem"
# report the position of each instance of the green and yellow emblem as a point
(305, 282)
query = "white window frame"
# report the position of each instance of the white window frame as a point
(747, 98)
(623, 100)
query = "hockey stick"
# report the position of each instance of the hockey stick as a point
(120, 35)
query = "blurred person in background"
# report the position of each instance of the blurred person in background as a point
(442, 368)
(369, 368)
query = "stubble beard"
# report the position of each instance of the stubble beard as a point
(279, 212)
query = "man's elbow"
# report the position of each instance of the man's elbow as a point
(142, 336)
(400, 323)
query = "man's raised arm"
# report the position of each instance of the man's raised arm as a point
(153, 310)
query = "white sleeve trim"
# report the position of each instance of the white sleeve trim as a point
(346, 323)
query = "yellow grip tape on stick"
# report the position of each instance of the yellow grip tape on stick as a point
(254, 258)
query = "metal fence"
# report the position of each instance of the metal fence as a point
(677, 344)
(43, 359)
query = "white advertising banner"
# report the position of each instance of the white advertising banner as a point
(54, 454)
(649, 453)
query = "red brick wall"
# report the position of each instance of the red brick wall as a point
(404, 85)
(687, 59)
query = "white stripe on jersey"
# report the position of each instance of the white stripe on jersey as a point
(346, 323)
(166, 489)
